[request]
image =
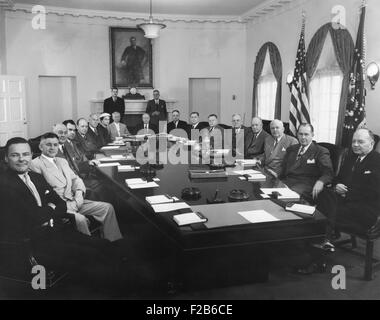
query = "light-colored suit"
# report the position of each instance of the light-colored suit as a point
(65, 183)
(274, 153)
(112, 130)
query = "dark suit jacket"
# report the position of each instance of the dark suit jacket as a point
(104, 135)
(152, 128)
(161, 107)
(86, 145)
(362, 181)
(77, 160)
(110, 106)
(20, 214)
(96, 138)
(181, 125)
(200, 126)
(254, 147)
(216, 137)
(137, 96)
(301, 175)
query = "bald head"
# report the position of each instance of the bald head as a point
(236, 120)
(61, 131)
(362, 142)
(257, 125)
(277, 128)
(82, 126)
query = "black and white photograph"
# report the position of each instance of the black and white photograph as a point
(189, 157)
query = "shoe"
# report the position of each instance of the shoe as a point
(325, 246)
(311, 268)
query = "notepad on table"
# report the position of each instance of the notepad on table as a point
(243, 172)
(167, 207)
(135, 181)
(247, 162)
(284, 193)
(118, 157)
(144, 185)
(109, 164)
(258, 216)
(254, 177)
(110, 148)
(189, 218)
(126, 168)
(159, 199)
(301, 208)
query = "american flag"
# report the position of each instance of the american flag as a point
(299, 102)
(355, 110)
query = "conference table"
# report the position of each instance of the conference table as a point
(222, 255)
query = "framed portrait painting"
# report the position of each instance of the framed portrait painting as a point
(131, 58)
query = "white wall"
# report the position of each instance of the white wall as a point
(79, 46)
(3, 69)
(284, 31)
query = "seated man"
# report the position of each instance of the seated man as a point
(146, 127)
(93, 132)
(31, 209)
(176, 123)
(215, 132)
(355, 198)
(254, 140)
(307, 167)
(238, 135)
(105, 119)
(83, 140)
(275, 148)
(195, 125)
(71, 189)
(117, 129)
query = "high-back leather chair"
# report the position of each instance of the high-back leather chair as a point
(337, 155)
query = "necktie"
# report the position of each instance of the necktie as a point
(32, 189)
(96, 131)
(300, 153)
(356, 164)
(254, 136)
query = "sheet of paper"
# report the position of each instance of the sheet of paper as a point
(255, 177)
(166, 207)
(109, 164)
(110, 148)
(144, 185)
(243, 172)
(247, 162)
(188, 218)
(135, 181)
(158, 199)
(258, 216)
(107, 159)
(118, 157)
(301, 208)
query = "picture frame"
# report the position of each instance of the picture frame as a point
(130, 60)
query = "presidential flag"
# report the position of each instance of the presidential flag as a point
(355, 110)
(299, 102)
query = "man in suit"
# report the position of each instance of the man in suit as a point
(355, 196)
(79, 163)
(238, 134)
(31, 209)
(71, 189)
(114, 103)
(87, 145)
(93, 133)
(215, 132)
(146, 127)
(307, 167)
(275, 148)
(176, 123)
(156, 109)
(254, 140)
(117, 129)
(195, 125)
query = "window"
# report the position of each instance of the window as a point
(325, 92)
(266, 92)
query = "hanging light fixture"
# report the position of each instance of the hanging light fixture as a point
(151, 29)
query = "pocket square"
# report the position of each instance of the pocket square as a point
(311, 161)
(283, 150)
(47, 192)
(368, 172)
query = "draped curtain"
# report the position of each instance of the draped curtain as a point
(344, 51)
(276, 63)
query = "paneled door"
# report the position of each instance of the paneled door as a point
(13, 121)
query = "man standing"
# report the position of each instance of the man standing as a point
(176, 123)
(71, 189)
(307, 167)
(133, 60)
(156, 109)
(117, 129)
(254, 140)
(114, 103)
(275, 148)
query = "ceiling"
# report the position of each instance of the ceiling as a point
(180, 7)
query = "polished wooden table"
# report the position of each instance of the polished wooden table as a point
(224, 248)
